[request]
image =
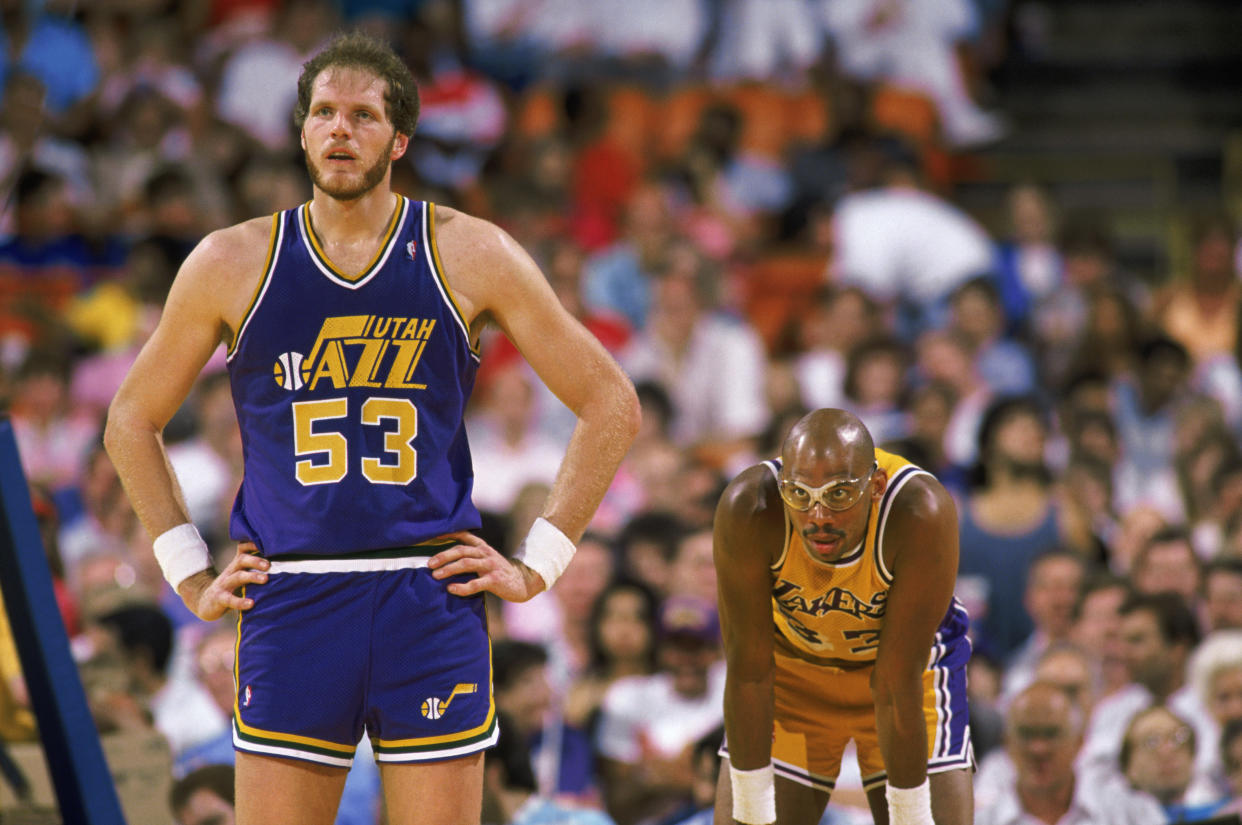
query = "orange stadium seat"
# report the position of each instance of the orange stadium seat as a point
(777, 288)
(905, 112)
(807, 116)
(678, 118)
(765, 129)
(632, 118)
(538, 113)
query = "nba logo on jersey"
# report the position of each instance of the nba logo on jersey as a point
(288, 370)
(246, 703)
(409, 250)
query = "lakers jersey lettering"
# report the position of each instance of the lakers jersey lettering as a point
(836, 610)
(791, 600)
(350, 392)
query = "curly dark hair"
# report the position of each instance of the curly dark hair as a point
(355, 50)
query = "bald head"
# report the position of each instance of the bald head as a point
(1045, 704)
(829, 434)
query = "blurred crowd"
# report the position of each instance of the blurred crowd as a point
(750, 203)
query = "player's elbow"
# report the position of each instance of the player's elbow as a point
(614, 403)
(629, 416)
(121, 426)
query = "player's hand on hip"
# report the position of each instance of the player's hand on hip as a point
(210, 596)
(510, 580)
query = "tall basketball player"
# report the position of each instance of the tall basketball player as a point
(351, 325)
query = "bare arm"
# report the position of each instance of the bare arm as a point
(749, 524)
(495, 279)
(923, 530)
(205, 293)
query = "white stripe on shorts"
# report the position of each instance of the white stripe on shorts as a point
(338, 564)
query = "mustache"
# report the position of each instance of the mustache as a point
(816, 534)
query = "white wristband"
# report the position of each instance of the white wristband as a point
(181, 553)
(754, 795)
(909, 806)
(546, 550)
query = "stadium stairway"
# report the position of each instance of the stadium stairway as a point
(1129, 107)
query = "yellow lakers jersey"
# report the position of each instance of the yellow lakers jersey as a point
(835, 610)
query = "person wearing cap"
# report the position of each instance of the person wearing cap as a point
(649, 724)
(836, 565)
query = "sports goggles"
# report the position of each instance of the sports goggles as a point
(841, 494)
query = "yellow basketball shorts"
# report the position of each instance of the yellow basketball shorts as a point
(818, 710)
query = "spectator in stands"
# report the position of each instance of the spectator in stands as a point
(975, 311)
(622, 634)
(1200, 309)
(837, 321)
(50, 256)
(875, 373)
(559, 621)
(1028, 263)
(1097, 630)
(1146, 414)
(929, 409)
(706, 756)
(1158, 758)
(204, 797)
(505, 440)
(48, 42)
(649, 724)
(944, 356)
(1065, 666)
(693, 573)
(1167, 563)
(143, 637)
(511, 796)
(462, 115)
(913, 45)
(1053, 583)
(1009, 518)
(560, 754)
(258, 81)
(685, 346)
(618, 278)
(764, 40)
(1231, 760)
(26, 145)
(1044, 732)
(1158, 632)
(647, 546)
(908, 248)
(52, 434)
(1215, 674)
(1222, 594)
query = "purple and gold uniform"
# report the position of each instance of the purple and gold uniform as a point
(350, 391)
(833, 612)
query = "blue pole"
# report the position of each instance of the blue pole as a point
(75, 759)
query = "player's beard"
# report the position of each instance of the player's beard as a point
(370, 177)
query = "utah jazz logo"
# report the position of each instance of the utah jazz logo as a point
(288, 370)
(435, 707)
(359, 351)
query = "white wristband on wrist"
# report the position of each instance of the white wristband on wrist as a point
(181, 553)
(546, 550)
(909, 806)
(754, 795)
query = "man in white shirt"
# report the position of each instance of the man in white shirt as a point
(1044, 731)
